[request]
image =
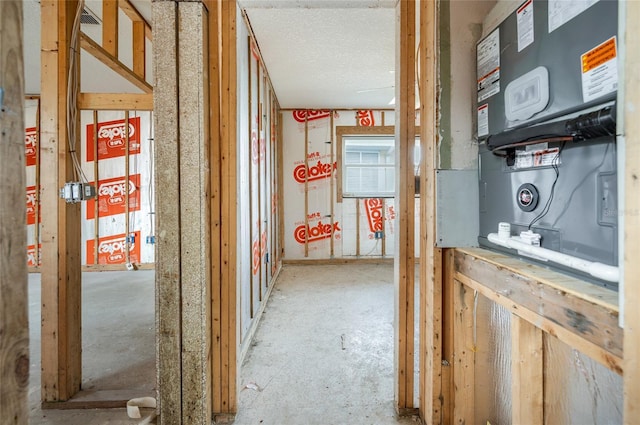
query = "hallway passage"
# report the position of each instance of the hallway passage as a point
(323, 352)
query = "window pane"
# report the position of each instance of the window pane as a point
(369, 183)
(352, 182)
(352, 157)
(368, 169)
(370, 157)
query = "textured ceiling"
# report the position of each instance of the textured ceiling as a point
(319, 53)
(327, 54)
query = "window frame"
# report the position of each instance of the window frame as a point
(349, 131)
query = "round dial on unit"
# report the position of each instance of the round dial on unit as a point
(527, 197)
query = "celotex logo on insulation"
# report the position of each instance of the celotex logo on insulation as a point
(112, 138)
(113, 249)
(373, 207)
(314, 171)
(115, 133)
(112, 196)
(316, 232)
(115, 191)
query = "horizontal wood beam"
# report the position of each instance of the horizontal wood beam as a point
(594, 351)
(97, 399)
(576, 305)
(337, 261)
(586, 326)
(112, 62)
(135, 16)
(115, 102)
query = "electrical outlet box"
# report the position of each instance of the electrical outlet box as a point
(73, 192)
(131, 239)
(151, 240)
(379, 234)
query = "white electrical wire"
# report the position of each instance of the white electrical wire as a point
(72, 96)
(374, 246)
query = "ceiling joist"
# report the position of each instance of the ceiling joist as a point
(112, 62)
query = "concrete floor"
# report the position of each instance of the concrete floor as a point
(118, 344)
(323, 353)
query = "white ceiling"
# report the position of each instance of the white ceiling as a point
(327, 53)
(319, 53)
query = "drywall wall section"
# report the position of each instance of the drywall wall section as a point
(460, 30)
(318, 226)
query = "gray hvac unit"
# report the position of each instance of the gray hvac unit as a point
(547, 85)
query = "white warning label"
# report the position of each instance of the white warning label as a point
(562, 11)
(599, 70)
(488, 66)
(525, 24)
(483, 120)
(539, 155)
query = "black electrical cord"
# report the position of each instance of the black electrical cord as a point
(547, 206)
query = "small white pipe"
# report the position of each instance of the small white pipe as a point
(597, 270)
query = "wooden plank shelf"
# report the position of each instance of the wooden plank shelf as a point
(582, 314)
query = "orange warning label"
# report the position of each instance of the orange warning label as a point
(599, 55)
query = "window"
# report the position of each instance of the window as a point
(369, 166)
(367, 160)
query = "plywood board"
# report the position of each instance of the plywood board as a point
(14, 320)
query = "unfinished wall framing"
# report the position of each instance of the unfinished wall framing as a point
(235, 234)
(63, 145)
(259, 245)
(123, 224)
(120, 210)
(314, 185)
(517, 324)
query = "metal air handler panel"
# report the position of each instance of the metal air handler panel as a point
(582, 216)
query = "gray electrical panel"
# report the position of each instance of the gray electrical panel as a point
(457, 201)
(547, 86)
